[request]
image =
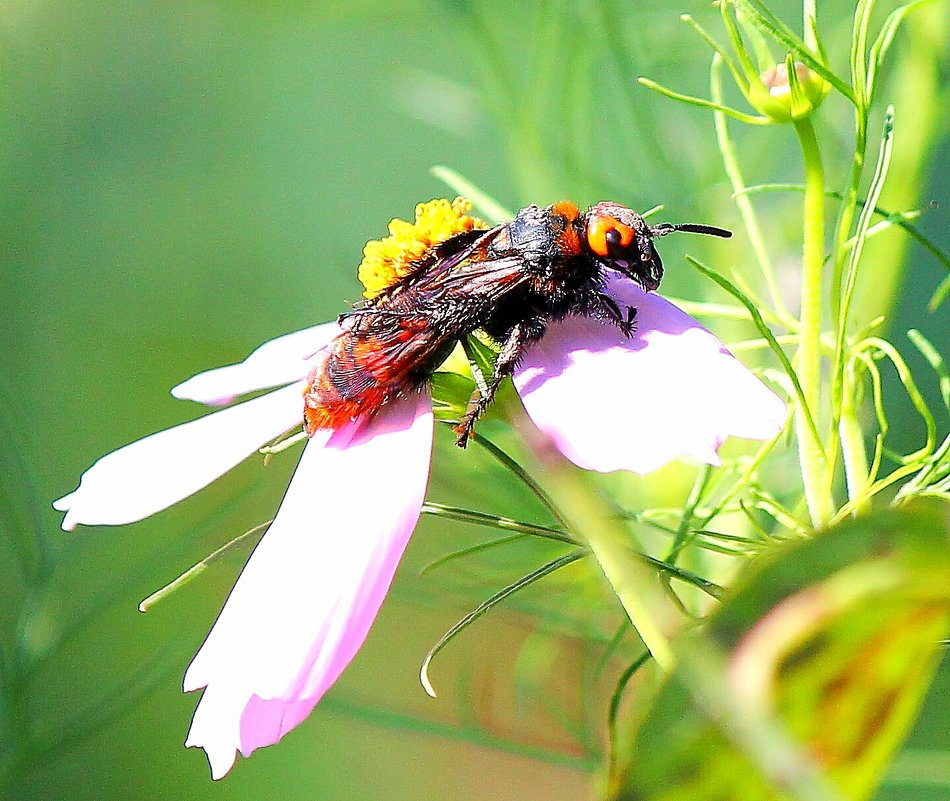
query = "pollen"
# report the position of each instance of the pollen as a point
(387, 260)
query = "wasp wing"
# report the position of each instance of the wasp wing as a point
(472, 276)
(397, 342)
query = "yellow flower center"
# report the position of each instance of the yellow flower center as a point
(387, 260)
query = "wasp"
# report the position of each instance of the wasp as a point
(510, 282)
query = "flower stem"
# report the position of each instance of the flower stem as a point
(743, 202)
(852, 442)
(808, 358)
(593, 521)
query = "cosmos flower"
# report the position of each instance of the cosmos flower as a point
(304, 603)
(310, 591)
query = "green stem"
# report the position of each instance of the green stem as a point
(849, 203)
(743, 202)
(855, 455)
(619, 557)
(809, 12)
(808, 357)
(917, 70)
(591, 519)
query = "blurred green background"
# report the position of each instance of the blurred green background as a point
(182, 181)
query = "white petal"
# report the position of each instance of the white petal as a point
(153, 473)
(280, 361)
(310, 591)
(612, 403)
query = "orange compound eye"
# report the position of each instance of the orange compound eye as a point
(605, 234)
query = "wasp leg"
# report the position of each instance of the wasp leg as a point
(604, 307)
(520, 337)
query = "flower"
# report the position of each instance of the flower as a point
(786, 96)
(782, 92)
(387, 260)
(307, 597)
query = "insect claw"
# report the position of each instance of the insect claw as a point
(629, 325)
(463, 431)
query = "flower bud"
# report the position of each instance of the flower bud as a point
(783, 99)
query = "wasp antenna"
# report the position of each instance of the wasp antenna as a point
(693, 228)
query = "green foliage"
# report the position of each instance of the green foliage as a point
(832, 640)
(847, 465)
(229, 176)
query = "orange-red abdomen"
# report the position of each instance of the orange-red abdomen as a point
(349, 384)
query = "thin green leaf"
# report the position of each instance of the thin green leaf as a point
(886, 224)
(935, 360)
(506, 592)
(877, 397)
(742, 284)
(485, 204)
(721, 535)
(783, 516)
(749, 510)
(851, 271)
(883, 43)
(745, 479)
(759, 344)
(495, 521)
(910, 387)
(470, 551)
(697, 101)
(858, 53)
(682, 537)
(934, 475)
(468, 732)
(672, 571)
(615, 699)
(268, 451)
(810, 28)
(940, 295)
(504, 459)
(612, 646)
(898, 218)
(766, 332)
(800, 102)
(730, 160)
(864, 221)
(197, 569)
(763, 18)
(738, 76)
(764, 59)
(775, 187)
(699, 308)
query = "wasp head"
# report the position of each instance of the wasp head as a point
(624, 241)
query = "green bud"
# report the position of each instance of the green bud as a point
(785, 97)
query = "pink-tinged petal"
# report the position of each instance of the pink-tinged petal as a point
(153, 473)
(280, 361)
(304, 603)
(612, 403)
